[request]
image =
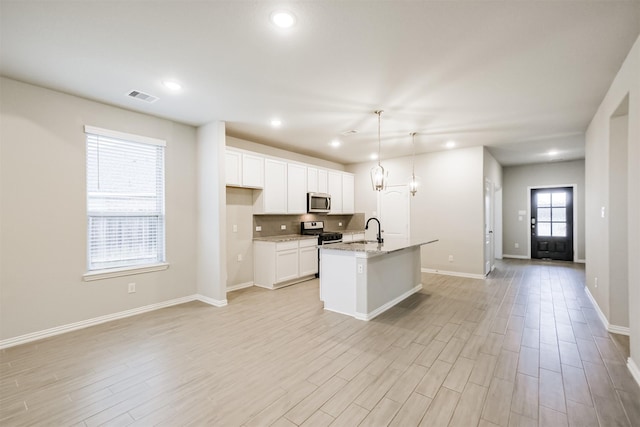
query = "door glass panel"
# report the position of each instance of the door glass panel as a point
(559, 229)
(559, 214)
(544, 229)
(543, 199)
(544, 214)
(559, 199)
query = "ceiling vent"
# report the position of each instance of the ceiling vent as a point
(142, 96)
(349, 132)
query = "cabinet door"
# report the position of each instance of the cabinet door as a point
(308, 261)
(348, 199)
(322, 181)
(275, 186)
(252, 171)
(233, 168)
(296, 189)
(335, 189)
(286, 265)
(312, 180)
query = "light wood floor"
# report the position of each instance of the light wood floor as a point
(523, 348)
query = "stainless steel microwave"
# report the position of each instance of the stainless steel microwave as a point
(318, 203)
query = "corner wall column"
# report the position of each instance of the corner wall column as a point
(212, 274)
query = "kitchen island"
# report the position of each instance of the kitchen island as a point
(364, 279)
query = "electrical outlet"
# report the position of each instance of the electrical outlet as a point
(235, 228)
(283, 227)
(132, 288)
(339, 224)
(516, 245)
(239, 257)
(258, 228)
(360, 269)
(450, 258)
(596, 282)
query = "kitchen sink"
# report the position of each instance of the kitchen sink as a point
(361, 242)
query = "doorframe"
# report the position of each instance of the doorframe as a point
(575, 215)
(489, 222)
(405, 187)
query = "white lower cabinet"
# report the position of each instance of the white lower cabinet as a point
(286, 265)
(278, 264)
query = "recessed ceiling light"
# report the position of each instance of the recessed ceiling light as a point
(276, 123)
(283, 19)
(450, 144)
(552, 152)
(373, 156)
(171, 85)
(335, 143)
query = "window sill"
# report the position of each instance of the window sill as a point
(124, 271)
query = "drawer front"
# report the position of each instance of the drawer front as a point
(285, 246)
(307, 243)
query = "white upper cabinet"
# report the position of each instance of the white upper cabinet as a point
(252, 171)
(323, 181)
(233, 168)
(273, 199)
(348, 193)
(244, 169)
(296, 188)
(335, 190)
(312, 180)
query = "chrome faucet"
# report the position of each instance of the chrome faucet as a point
(379, 236)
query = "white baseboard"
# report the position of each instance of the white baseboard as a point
(211, 301)
(515, 256)
(378, 311)
(614, 329)
(620, 330)
(633, 368)
(453, 273)
(34, 336)
(581, 261)
(239, 286)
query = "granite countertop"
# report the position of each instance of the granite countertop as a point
(372, 248)
(285, 238)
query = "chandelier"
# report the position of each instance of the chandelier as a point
(379, 176)
(413, 181)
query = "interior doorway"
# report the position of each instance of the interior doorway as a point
(394, 212)
(552, 223)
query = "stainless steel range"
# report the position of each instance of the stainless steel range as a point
(316, 228)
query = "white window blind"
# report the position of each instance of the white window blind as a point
(125, 200)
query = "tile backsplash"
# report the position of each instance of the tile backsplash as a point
(271, 224)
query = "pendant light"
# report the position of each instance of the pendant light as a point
(378, 174)
(413, 181)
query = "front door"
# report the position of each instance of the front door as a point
(552, 223)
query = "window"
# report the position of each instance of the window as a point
(125, 200)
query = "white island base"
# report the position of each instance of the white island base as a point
(365, 281)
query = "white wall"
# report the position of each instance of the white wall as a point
(448, 205)
(515, 198)
(618, 220)
(598, 173)
(43, 211)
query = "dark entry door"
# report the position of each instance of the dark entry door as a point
(552, 223)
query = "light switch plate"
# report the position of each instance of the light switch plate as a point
(283, 227)
(258, 228)
(235, 228)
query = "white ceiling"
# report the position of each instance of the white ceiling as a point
(521, 77)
